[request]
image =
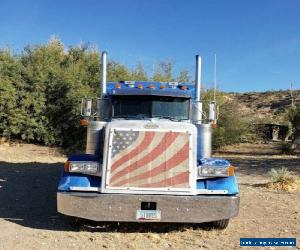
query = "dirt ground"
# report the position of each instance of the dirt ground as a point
(28, 217)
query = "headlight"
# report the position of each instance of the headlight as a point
(86, 167)
(215, 171)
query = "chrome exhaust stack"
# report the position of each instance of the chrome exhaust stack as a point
(204, 134)
(103, 74)
(104, 107)
(197, 105)
(95, 128)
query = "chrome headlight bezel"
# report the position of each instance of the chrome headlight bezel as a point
(85, 167)
(214, 171)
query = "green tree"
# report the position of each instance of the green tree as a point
(117, 72)
(233, 125)
(163, 72)
(12, 115)
(139, 73)
(183, 76)
(41, 89)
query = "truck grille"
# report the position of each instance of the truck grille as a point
(148, 159)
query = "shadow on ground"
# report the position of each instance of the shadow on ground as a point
(28, 196)
(258, 167)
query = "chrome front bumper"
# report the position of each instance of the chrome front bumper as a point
(123, 207)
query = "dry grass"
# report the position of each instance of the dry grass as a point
(282, 180)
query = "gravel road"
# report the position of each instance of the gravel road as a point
(28, 217)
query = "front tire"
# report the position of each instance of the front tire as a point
(220, 224)
(73, 222)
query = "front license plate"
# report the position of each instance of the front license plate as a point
(148, 215)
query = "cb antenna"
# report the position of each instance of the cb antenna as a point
(212, 106)
(215, 77)
(292, 96)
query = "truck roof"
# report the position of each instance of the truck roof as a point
(171, 89)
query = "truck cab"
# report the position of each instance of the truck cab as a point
(148, 159)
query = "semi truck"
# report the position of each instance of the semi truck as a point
(148, 157)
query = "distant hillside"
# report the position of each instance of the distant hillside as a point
(270, 106)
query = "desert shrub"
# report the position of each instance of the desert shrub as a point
(281, 179)
(294, 113)
(234, 125)
(279, 175)
(234, 122)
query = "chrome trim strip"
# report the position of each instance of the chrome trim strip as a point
(91, 189)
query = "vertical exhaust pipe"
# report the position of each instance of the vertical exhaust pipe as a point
(203, 130)
(197, 107)
(103, 74)
(198, 78)
(95, 129)
(104, 106)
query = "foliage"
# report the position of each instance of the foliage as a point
(183, 76)
(117, 72)
(292, 116)
(233, 125)
(163, 72)
(282, 180)
(12, 110)
(294, 113)
(279, 175)
(139, 73)
(41, 89)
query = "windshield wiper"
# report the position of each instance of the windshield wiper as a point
(165, 117)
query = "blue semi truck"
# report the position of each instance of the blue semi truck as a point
(148, 157)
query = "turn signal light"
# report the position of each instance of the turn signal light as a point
(151, 86)
(162, 86)
(67, 166)
(231, 170)
(118, 85)
(140, 86)
(214, 125)
(84, 122)
(183, 87)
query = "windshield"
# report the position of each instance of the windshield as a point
(151, 106)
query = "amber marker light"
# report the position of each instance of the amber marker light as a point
(231, 170)
(151, 86)
(140, 86)
(214, 125)
(162, 86)
(67, 166)
(84, 122)
(183, 87)
(118, 85)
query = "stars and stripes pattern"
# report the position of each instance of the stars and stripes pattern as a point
(122, 140)
(149, 159)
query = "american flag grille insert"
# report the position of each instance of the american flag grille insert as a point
(149, 159)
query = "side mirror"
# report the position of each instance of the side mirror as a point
(86, 107)
(213, 112)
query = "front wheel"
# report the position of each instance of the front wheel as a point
(219, 224)
(73, 222)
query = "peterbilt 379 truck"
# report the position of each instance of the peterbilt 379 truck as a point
(148, 158)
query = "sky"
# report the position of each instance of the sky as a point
(257, 42)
